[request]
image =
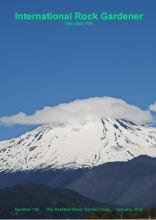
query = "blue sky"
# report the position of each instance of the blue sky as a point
(47, 63)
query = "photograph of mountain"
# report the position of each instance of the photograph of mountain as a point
(78, 109)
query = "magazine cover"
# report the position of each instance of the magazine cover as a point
(77, 109)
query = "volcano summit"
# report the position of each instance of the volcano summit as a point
(74, 145)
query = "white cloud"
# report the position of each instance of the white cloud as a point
(82, 111)
(152, 107)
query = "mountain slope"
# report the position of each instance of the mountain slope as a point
(73, 146)
(29, 196)
(129, 183)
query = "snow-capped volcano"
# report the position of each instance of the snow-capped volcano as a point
(71, 146)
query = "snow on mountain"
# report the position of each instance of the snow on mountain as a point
(73, 146)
